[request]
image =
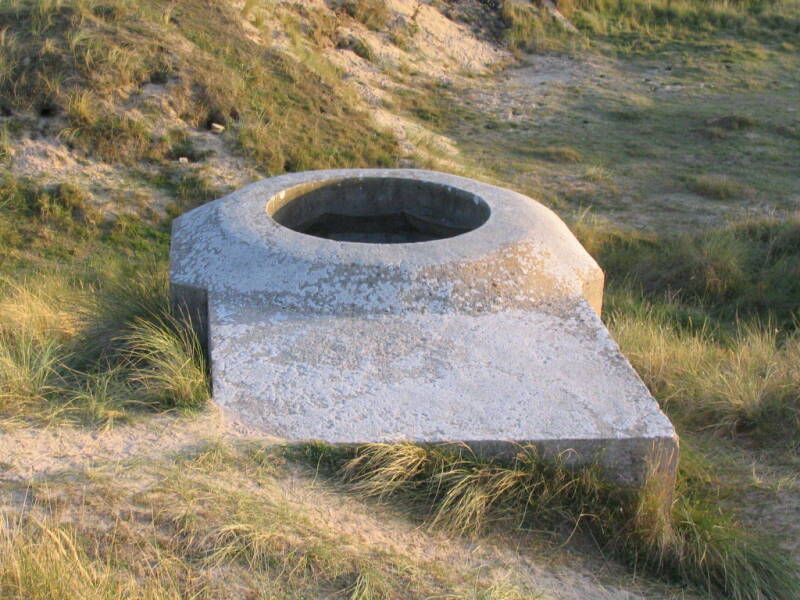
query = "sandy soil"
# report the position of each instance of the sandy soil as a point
(28, 453)
(35, 454)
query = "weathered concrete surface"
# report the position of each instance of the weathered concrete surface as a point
(487, 337)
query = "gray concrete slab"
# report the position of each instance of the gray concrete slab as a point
(464, 312)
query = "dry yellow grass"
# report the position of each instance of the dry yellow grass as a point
(218, 521)
(750, 380)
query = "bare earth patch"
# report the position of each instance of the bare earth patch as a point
(130, 455)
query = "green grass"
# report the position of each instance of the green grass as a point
(562, 154)
(528, 28)
(710, 321)
(634, 27)
(742, 383)
(357, 45)
(168, 362)
(372, 13)
(748, 269)
(676, 19)
(91, 362)
(718, 187)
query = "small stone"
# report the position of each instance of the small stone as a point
(217, 128)
(183, 160)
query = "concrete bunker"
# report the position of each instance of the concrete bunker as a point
(487, 333)
(378, 210)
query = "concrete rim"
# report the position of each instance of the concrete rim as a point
(511, 218)
(456, 207)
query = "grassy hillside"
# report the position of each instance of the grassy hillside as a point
(663, 132)
(86, 61)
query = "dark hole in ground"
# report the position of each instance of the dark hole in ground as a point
(159, 77)
(48, 110)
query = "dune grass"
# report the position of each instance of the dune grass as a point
(709, 320)
(743, 382)
(81, 340)
(112, 360)
(215, 521)
(717, 187)
(168, 362)
(747, 269)
(87, 334)
(372, 13)
(678, 18)
(689, 541)
(46, 562)
(529, 28)
(639, 27)
(643, 26)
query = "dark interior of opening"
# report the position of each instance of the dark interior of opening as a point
(379, 210)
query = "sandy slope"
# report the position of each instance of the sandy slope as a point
(42, 455)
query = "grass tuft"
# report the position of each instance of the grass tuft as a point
(563, 154)
(748, 269)
(357, 45)
(372, 13)
(717, 187)
(528, 27)
(31, 372)
(127, 298)
(691, 541)
(96, 355)
(43, 560)
(169, 364)
(744, 382)
(47, 562)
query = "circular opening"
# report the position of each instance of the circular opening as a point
(378, 210)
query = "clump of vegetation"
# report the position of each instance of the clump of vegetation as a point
(723, 127)
(168, 363)
(718, 187)
(709, 321)
(642, 26)
(44, 561)
(63, 205)
(665, 20)
(528, 27)
(748, 269)
(688, 541)
(357, 45)
(372, 13)
(6, 146)
(744, 382)
(91, 360)
(564, 154)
